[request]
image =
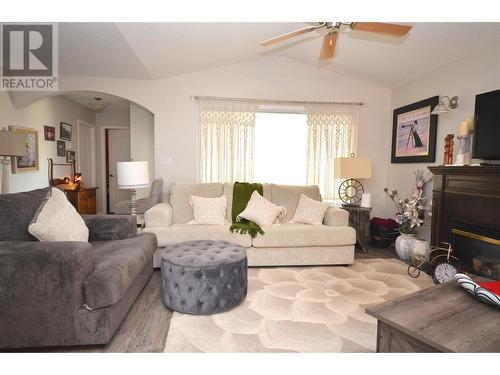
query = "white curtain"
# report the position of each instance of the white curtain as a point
(226, 141)
(332, 134)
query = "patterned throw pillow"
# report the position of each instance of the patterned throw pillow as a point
(208, 211)
(261, 211)
(57, 220)
(309, 211)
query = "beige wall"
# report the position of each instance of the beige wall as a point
(117, 116)
(175, 113)
(142, 141)
(49, 111)
(478, 73)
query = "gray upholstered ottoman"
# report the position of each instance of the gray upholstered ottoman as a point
(203, 277)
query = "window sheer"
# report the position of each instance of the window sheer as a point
(332, 134)
(228, 151)
(227, 132)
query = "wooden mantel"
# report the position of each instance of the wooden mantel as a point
(469, 194)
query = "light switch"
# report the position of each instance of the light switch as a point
(166, 160)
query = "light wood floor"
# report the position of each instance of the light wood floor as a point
(145, 328)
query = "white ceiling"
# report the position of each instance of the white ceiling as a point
(158, 50)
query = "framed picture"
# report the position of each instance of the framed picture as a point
(70, 156)
(414, 133)
(66, 131)
(61, 148)
(49, 133)
(29, 162)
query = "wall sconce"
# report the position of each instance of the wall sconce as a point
(443, 108)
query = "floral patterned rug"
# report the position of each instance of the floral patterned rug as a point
(308, 309)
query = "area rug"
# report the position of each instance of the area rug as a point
(308, 309)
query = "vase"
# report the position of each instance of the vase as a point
(419, 252)
(404, 245)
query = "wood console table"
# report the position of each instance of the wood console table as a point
(444, 318)
(84, 200)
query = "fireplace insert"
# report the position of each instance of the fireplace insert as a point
(478, 248)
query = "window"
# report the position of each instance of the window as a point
(243, 141)
(280, 152)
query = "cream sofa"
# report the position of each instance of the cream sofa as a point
(285, 244)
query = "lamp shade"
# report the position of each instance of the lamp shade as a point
(352, 168)
(440, 108)
(12, 144)
(132, 174)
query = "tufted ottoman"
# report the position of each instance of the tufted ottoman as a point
(203, 277)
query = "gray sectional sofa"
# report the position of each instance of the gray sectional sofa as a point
(67, 293)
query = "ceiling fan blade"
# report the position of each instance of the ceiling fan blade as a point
(286, 36)
(328, 47)
(382, 28)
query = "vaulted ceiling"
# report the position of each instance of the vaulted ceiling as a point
(158, 50)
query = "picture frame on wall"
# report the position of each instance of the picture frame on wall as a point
(66, 131)
(414, 132)
(61, 148)
(28, 163)
(70, 156)
(49, 133)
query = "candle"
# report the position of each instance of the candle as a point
(470, 121)
(464, 129)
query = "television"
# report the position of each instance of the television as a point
(487, 126)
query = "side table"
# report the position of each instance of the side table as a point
(359, 219)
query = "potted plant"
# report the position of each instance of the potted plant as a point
(409, 215)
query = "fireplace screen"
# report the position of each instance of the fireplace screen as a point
(478, 248)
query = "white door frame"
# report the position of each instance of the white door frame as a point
(79, 123)
(103, 161)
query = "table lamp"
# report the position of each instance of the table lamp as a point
(11, 145)
(352, 168)
(132, 175)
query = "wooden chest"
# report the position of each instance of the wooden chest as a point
(84, 200)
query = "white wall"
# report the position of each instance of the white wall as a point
(116, 115)
(175, 112)
(49, 111)
(476, 74)
(142, 141)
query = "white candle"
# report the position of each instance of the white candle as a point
(366, 200)
(464, 129)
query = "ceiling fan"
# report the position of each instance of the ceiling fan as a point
(333, 29)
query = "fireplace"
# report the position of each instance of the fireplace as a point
(478, 248)
(466, 213)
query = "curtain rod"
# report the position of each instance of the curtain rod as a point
(270, 101)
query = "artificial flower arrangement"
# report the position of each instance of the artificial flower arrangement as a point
(411, 213)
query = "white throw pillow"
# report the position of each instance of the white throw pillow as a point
(57, 220)
(208, 211)
(309, 211)
(261, 211)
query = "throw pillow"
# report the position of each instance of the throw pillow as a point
(309, 211)
(208, 211)
(261, 211)
(57, 220)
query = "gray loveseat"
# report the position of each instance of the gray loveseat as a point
(67, 293)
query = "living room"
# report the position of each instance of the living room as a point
(250, 186)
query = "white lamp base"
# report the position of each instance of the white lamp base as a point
(5, 174)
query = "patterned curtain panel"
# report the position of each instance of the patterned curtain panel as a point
(332, 134)
(226, 142)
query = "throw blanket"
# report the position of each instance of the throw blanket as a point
(242, 191)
